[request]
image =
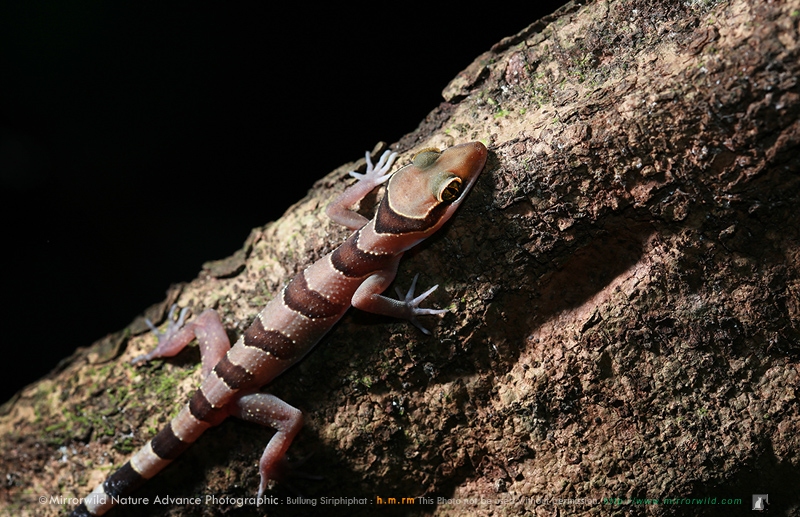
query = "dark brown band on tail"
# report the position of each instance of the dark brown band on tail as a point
(166, 445)
(81, 511)
(202, 409)
(123, 481)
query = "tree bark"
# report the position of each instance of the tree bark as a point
(624, 283)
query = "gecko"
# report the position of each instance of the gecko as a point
(419, 198)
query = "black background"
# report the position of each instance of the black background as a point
(138, 141)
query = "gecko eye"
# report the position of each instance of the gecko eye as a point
(449, 189)
(425, 157)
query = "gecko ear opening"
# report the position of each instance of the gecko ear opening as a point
(446, 187)
(426, 157)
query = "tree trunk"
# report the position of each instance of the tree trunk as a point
(624, 282)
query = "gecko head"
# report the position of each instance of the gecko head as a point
(423, 195)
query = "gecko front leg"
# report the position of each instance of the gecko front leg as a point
(340, 209)
(368, 298)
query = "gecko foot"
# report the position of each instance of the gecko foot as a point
(378, 173)
(412, 304)
(173, 327)
(282, 472)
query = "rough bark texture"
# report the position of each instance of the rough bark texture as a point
(624, 283)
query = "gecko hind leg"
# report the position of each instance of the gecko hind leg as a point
(207, 328)
(173, 327)
(268, 410)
